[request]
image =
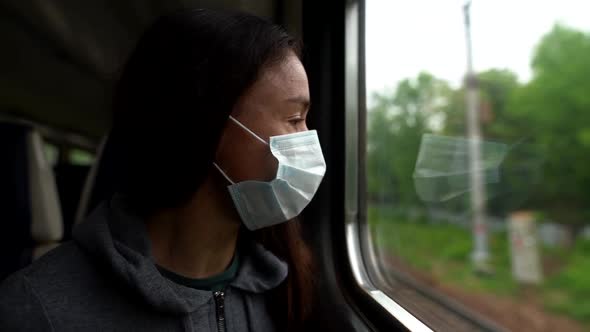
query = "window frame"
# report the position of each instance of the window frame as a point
(356, 230)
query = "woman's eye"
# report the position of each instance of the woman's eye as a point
(296, 121)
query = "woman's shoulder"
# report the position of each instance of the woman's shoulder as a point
(63, 265)
(59, 261)
(27, 293)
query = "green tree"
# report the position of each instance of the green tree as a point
(496, 87)
(550, 172)
(555, 106)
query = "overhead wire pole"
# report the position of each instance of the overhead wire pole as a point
(480, 253)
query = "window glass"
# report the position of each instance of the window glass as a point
(81, 157)
(478, 157)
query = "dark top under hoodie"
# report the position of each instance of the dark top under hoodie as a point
(106, 280)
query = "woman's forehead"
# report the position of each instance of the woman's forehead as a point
(285, 80)
(282, 86)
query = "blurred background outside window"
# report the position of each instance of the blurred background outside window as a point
(478, 154)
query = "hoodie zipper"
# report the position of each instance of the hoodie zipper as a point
(219, 297)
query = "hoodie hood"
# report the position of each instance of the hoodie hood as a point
(117, 237)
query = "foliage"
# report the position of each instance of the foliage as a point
(442, 251)
(546, 123)
(574, 279)
(555, 105)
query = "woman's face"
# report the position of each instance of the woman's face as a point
(276, 104)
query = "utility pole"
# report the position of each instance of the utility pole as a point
(480, 254)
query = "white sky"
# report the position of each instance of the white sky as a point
(406, 37)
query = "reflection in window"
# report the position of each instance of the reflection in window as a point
(532, 81)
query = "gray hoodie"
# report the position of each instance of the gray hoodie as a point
(106, 280)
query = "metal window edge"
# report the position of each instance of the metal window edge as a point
(352, 227)
(362, 279)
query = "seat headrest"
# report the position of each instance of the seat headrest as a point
(46, 218)
(29, 203)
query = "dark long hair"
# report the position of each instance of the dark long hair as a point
(170, 107)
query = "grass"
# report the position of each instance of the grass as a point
(568, 291)
(443, 252)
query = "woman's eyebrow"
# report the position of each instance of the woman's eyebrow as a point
(300, 100)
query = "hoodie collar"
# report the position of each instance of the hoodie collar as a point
(260, 270)
(116, 236)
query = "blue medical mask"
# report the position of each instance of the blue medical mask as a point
(301, 167)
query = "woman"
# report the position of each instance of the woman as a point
(215, 160)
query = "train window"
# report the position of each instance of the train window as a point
(80, 157)
(477, 167)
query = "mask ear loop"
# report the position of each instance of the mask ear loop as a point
(223, 173)
(251, 133)
(248, 130)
